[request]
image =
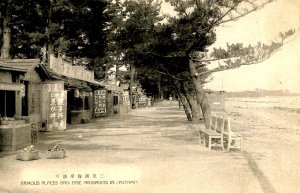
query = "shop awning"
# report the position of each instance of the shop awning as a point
(74, 83)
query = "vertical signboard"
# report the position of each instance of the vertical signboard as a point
(57, 111)
(126, 98)
(100, 102)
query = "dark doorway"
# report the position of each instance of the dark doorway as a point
(7, 103)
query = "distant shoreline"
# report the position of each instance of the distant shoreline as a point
(282, 103)
(247, 95)
(259, 94)
(252, 93)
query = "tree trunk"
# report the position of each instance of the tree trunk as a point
(160, 92)
(61, 45)
(106, 73)
(132, 83)
(193, 106)
(49, 32)
(186, 108)
(117, 72)
(50, 49)
(183, 100)
(201, 97)
(200, 115)
(192, 103)
(6, 37)
(44, 55)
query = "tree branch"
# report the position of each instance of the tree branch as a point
(170, 75)
(240, 56)
(233, 66)
(167, 56)
(219, 20)
(255, 8)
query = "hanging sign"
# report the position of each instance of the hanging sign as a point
(23, 90)
(100, 101)
(76, 93)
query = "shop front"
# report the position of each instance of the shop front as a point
(111, 100)
(106, 103)
(79, 85)
(15, 133)
(80, 103)
(35, 97)
(15, 130)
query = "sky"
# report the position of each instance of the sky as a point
(282, 70)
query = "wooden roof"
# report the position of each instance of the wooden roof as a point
(19, 65)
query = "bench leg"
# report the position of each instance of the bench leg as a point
(235, 141)
(209, 143)
(200, 137)
(228, 143)
(203, 138)
(200, 140)
(222, 143)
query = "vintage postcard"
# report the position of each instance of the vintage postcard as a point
(93, 98)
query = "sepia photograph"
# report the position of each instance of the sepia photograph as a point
(150, 96)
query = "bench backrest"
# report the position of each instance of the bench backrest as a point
(227, 126)
(217, 124)
(220, 125)
(213, 122)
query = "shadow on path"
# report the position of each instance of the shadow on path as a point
(264, 182)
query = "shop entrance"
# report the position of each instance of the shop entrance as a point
(78, 106)
(70, 100)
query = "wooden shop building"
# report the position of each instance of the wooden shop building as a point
(86, 98)
(20, 102)
(36, 97)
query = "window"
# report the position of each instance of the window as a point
(115, 102)
(7, 103)
(14, 77)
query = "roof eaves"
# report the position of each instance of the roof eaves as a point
(12, 69)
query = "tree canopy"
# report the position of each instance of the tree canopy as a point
(176, 49)
(73, 28)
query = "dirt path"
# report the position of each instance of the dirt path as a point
(154, 150)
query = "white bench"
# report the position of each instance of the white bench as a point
(213, 137)
(232, 139)
(220, 133)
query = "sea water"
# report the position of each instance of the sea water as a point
(289, 102)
